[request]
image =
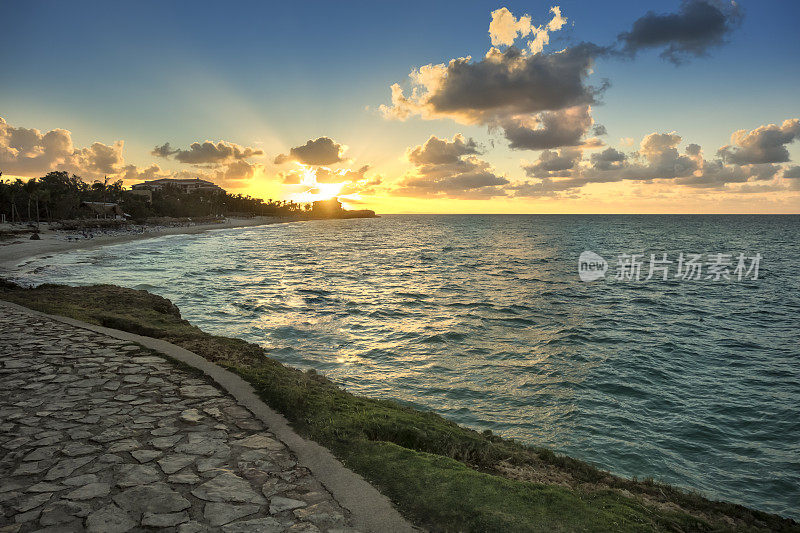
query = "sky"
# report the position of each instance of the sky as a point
(418, 107)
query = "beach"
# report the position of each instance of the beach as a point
(52, 241)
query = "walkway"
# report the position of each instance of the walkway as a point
(101, 434)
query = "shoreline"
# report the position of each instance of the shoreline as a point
(20, 250)
(432, 469)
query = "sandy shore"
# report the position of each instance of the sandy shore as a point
(16, 250)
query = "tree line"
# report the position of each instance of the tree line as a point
(58, 196)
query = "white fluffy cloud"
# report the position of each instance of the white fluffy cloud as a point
(30, 152)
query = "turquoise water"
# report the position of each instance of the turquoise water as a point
(484, 320)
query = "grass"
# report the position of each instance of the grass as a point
(442, 476)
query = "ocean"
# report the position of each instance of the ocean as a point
(485, 319)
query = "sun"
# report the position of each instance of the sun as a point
(312, 189)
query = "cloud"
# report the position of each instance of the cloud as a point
(540, 100)
(505, 28)
(326, 175)
(565, 127)
(697, 26)
(207, 153)
(608, 159)
(553, 163)
(165, 151)
(134, 173)
(239, 170)
(437, 151)
(792, 172)
(500, 86)
(449, 168)
(29, 152)
(321, 151)
(765, 144)
(751, 169)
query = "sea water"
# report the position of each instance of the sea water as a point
(485, 320)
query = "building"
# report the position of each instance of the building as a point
(185, 185)
(329, 207)
(103, 210)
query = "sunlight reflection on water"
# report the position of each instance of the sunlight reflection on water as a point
(483, 319)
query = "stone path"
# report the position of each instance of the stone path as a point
(103, 435)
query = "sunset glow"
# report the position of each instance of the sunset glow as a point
(582, 113)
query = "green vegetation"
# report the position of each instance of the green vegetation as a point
(58, 196)
(441, 476)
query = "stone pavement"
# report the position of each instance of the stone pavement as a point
(100, 434)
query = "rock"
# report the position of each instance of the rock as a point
(113, 434)
(201, 444)
(257, 525)
(165, 519)
(75, 449)
(191, 416)
(130, 475)
(125, 445)
(305, 527)
(109, 519)
(193, 527)
(184, 479)
(162, 443)
(66, 467)
(45, 487)
(198, 391)
(172, 463)
(110, 458)
(61, 512)
(144, 456)
(273, 486)
(227, 487)
(259, 441)
(323, 514)
(32, 502)
(211, 463)
(157, 498)
(46, 452)
(214, 412)
(279, 503)
(30, 468)
(27, 517)
(164, 431)
(79, 481)
(219, 514)
(87, 492)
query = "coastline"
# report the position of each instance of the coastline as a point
(21, 249)
(439, 475)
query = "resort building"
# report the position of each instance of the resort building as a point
(103, 210)
(185, 185)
